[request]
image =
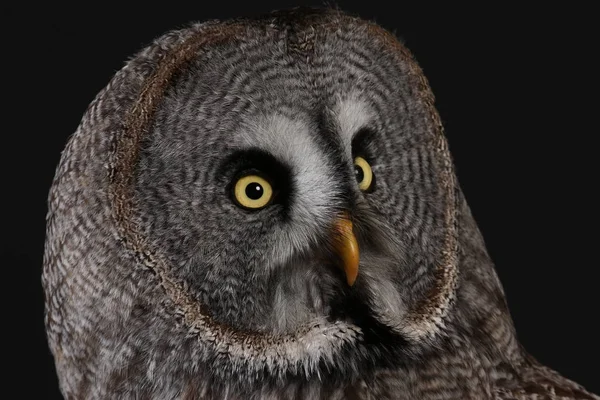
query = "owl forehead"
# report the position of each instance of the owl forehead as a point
(253, 92)
(347, 80)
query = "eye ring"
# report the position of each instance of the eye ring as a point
(364, 174)
(252, 192)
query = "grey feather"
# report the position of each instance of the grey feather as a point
(158, 285)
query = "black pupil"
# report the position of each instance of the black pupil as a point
(254, 191)
(359, 173)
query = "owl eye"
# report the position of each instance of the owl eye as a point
(363, 173)
(252, 192)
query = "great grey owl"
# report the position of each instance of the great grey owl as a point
(266, 208)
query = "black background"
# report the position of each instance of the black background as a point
(513, 93)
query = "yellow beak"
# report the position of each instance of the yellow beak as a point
(346, 247)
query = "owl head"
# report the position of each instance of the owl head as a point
(259, 201)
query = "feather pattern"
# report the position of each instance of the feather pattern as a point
(158, 285)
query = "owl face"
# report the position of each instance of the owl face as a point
(250, 204)
(289, 179)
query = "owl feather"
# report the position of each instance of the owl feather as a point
(266, 208)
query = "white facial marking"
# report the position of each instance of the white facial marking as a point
(315, 186)
(351, 114)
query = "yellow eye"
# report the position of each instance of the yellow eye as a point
(252, 191)
(364, 174)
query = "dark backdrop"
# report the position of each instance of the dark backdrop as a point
(510, 87)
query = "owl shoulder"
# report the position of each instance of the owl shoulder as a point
(537, 381)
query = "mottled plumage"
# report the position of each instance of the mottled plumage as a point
(158, 285)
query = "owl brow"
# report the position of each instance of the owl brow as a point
(256, 159)
(362, 143)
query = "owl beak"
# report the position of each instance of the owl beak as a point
(346, 247)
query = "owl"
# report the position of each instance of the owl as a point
(266, 208)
